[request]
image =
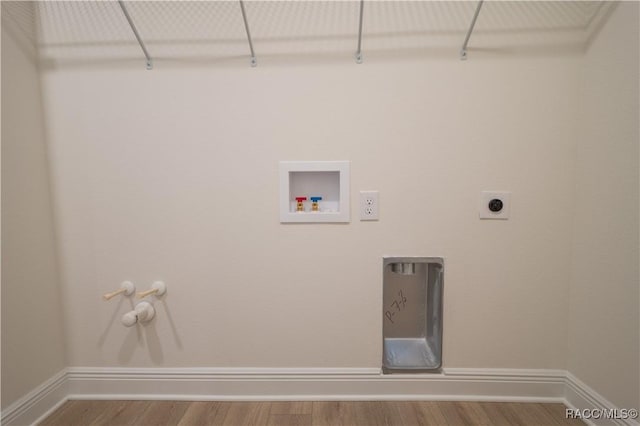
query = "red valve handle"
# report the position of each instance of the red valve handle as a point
(300, 199)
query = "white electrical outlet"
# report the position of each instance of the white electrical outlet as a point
(369, 207)
(495, 205)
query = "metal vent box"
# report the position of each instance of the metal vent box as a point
(412, 314)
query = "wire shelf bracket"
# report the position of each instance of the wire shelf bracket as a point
(254, 61)
(358, 55)
(463, 51)
(137, 34)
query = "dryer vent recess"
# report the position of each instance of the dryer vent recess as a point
(412, 314)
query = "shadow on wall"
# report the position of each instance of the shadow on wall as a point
(114, 317)
(154, 346)
(174, 331)
(141, 335)
(132, 341)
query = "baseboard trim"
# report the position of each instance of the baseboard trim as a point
(278, 384)
(37, 403)
(316, 384)
(578, 395)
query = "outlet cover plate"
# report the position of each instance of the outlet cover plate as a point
(486, 197)
(369, 205)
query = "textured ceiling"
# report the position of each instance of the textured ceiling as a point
(85, 31)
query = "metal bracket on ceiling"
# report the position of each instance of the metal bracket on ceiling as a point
(135, 32)
(358, 55)
(463, 51)
(253, 61)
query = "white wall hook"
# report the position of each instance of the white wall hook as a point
(158, 288)
(126, 287)
(129, 319)
(143, 312)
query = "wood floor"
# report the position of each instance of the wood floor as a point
(143, 413)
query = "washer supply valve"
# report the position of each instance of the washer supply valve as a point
(300, 205)
(314, 205)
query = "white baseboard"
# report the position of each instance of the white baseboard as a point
(38, 403)
(273, 384)
(315, 384)
(580, 396)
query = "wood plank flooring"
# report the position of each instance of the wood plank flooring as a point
(307, 413)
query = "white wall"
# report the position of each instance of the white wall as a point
(604, 321)
(173, 174)
(32, 336)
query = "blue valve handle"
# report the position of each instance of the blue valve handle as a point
(315, 199)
